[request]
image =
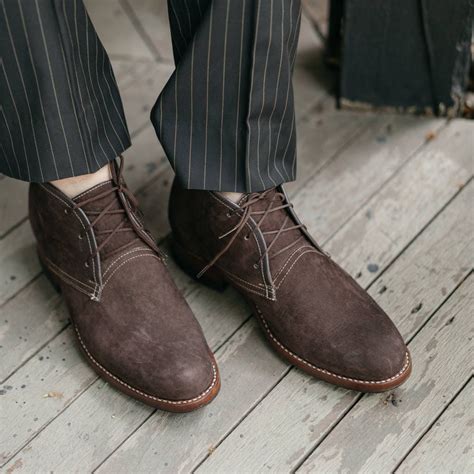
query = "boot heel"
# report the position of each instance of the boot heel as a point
(49, 275)
(192, 265)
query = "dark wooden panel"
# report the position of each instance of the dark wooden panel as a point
(406, 53)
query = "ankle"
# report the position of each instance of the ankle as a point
(76, 185)
(234, 197)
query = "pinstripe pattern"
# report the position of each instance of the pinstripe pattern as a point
(232, 93)
(60, 110)
(225, 118)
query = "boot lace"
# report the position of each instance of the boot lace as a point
(128, 223)
(277, 203)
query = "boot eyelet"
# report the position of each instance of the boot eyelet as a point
(66, 211)
(86, 264)
(247, 237)
(255, 265)
(80, 237)
(229, 215)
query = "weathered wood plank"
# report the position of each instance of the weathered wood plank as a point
(448, 445)
(115, 29)
(381, 429)
(40, 390)
(307, 410)
(441, 169)
(139, 98)
(361, 169)
(318, 12)
(13, 203)
(27, 322)
(18, 262)
(153, 18)
(428, 270)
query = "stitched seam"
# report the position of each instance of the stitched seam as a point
(324, 371)
(255, 292)
(123, 255)
(232, 275)
(97, 186)
(60, 273)
(87, 234)
(289, 259)
(293, 264)
(87, 291)
(163, 400)
(217, 198)
(260, 293)
(124, 262)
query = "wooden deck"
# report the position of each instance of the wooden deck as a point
(389, 196)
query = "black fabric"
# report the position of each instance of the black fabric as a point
(225, 118)
(61, 113)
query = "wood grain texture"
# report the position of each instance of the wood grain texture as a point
(40, 390)
(13, 203)
(152, 16)
(116, 31)
(27, 322)
(317, 11)
(360, 170)
(381, 429)
(18, 262)
(428, 181)
(448, 445)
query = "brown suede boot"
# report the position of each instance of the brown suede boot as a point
(312, 312)
(133, 325)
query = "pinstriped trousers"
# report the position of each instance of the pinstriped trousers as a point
(225, 118)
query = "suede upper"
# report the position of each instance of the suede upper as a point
(129, 316)
(309, 306)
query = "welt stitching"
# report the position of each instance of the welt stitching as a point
(172, 402)
(293, 264)
(373, 382)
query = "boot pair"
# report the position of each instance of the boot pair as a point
(136, 329)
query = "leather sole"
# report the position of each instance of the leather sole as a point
(192, 264)
(176, 406)
(368, 386)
